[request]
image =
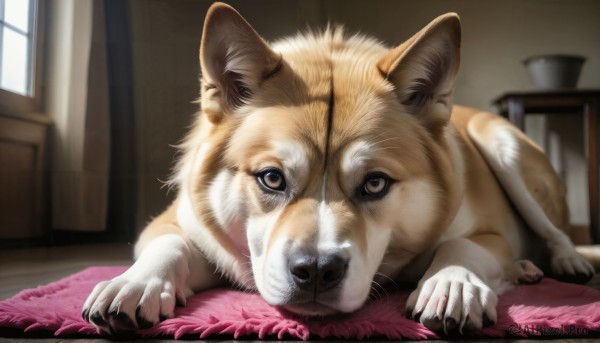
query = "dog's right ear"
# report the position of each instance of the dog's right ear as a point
(234, 60)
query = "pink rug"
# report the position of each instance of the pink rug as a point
(547, 309)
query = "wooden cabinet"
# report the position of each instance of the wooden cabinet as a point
(23, 176)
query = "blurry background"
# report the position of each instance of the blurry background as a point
(114, 83)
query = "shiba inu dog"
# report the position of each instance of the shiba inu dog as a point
(325, 164)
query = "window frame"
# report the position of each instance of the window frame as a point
(14, 104)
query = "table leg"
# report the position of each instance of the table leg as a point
(516, 113)
(591, 151)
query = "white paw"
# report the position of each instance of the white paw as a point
(454, 300)
(144, 294)
(129, 302)
(568, 265)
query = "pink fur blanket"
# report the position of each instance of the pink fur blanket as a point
(547, 309)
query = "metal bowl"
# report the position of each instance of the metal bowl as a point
(554, 71)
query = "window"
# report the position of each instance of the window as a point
(16, 45)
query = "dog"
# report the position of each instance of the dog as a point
(324, 165)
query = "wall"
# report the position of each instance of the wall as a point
(497, 37)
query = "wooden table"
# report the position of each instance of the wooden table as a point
(516, 105)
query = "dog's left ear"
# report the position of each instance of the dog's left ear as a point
(423, 69)
(234, 60)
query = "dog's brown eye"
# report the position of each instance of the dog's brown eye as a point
(375, 186)
(272, 179)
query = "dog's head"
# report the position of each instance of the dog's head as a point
(326, 157)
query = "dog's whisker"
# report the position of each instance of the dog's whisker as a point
(382, 288)
(244, 285)
(386, 294)
(389, 279)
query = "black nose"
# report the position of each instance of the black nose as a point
(320, 273)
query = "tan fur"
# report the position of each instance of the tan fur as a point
(541, 180)
(483, 192)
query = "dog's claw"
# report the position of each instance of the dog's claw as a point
(142, 322)
(121, 321)
(96, 318)
(469, 326)
(579, 278)
(433, 323)
(451, 325)
(487, 321)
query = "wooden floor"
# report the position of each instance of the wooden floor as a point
(27, 268)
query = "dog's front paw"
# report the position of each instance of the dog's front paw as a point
(134, 300)
(454, 300)
(567, 265)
